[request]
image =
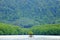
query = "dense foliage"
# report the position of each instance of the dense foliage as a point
(49, 29)
(27, 13)
(7, 29)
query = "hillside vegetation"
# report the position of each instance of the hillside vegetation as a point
(26, 13)
(7, 29)
(49, 29)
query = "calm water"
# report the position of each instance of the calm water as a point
(26, 37)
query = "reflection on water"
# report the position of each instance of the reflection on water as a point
(28, 38)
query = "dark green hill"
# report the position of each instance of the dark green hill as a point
(27, 13)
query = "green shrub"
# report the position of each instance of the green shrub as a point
(49, 29)
(6, 29)
(52, 29)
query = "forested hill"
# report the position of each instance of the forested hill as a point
(27, 13)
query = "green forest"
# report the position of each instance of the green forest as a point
(47, 29)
